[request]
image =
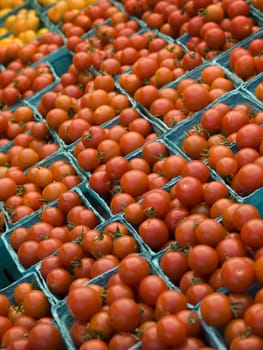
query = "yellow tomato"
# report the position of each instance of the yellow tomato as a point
(3, 31)
(56, 12)
(27, 36)
(9, 22)
(20, 25)
(42, 31)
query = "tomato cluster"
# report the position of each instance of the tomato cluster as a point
(18, 82)
(238, 313)
(179, 100)
(27, 192)
(25, 316)
(245, 61)
(14, 54)
(127, 177)
(21, 126)
(218, 27)
(229, 139)
(211, 27)
(154, 313)
(86, 253)
(221, 267)
(55, 225)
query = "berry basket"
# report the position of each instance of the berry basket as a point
(224, 58)
(57, 156)
(194, 74)
(118, 220)
(65, 319)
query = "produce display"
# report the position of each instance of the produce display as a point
(131, 175)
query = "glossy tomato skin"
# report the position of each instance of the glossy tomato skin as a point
(150, 288)
(169, 302)
(203, 259)
(246, 343)
(250, 233)
(45, 336)
(171, 330)
(238, 274)
(151, 339)
(124, 321)
(83, 302)
(132, 269)
(173, 258)
(155, 203)
(154, 232)
(189, 190)
(253, 318)
(216, 310)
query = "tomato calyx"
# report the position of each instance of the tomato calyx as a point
(228, 178)
(202, 12)
(150, 212)
(235, 308)
(138, 333)
(11, 213)
(247, 333)
(146, 81)
(76, 263)
(70, 225)
(116, 189)
(88, 136)
(175, 247)
(186, 250)
(93, 334)
(18, 308)
(43, 200)
(177, 62)
(116, 234)
(191, 320)
(100, 155)
(193, 54)
(103, 296)
(204, 153)
(198, 129)
(99, 236)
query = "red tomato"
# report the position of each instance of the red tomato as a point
(216, 310)
(44, 336)
(195, 97)
(155, 203)
(171, 330)
(189, 190)
(169, 301)
(150, 288)
(124, 321)
(203, 259)
(237, 274)
(154, 232)
(250, 233)
(132, 269)
(83, 302)
(253, 317)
